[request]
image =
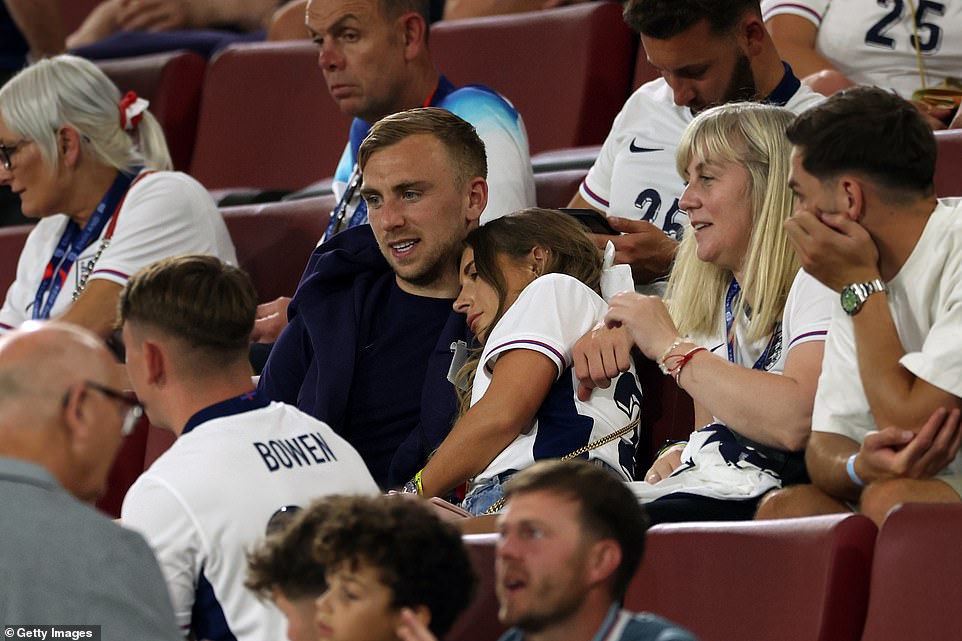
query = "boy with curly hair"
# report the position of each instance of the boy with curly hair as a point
(351, 568)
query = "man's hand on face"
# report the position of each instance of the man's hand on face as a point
(833, 248)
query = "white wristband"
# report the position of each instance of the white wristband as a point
(850, 468)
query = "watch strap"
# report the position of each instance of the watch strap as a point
(861, 292)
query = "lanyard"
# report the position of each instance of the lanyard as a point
(762, 361)
(74, 241)
(339, 218)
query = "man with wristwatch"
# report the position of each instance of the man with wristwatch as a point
(885, 427)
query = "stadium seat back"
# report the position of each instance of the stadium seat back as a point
(267, 120)
(917, 575)
(667, 413)
(12, 240)
(785, 580)
(644, 72)
(480, 621)
(274, 240)
(568, 70)
(948, 165)
(172, 83)
(554, 189)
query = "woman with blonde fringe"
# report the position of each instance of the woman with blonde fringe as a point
(744, 330)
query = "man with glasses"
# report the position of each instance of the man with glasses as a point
(62, 420)
(238, 459)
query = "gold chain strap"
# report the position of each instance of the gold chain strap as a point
(915, 41)
(604, 440)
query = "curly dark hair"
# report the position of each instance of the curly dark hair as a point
(420, 558)
(285, 559)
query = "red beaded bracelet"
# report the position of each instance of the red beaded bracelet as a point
(675, 368)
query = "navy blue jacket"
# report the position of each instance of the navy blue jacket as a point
(312, 363)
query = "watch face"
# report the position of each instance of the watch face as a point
(850, 300)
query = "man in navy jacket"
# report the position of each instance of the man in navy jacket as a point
(368, 346)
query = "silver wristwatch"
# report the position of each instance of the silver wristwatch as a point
(854, 295)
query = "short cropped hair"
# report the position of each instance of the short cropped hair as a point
(207, 304)
(421, 559)
(394, 8)
(607, 508)
(458, 136)
(285, 559)
(663, 19)
(870, 131)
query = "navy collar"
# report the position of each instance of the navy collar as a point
(785, 89)
(253, 400)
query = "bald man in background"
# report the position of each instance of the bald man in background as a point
(62, 420)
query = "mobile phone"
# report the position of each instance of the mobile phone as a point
(593, 221)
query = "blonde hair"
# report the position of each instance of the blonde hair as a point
(752, 136)
(67, 90)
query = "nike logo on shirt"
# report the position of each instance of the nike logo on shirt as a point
(637, 150)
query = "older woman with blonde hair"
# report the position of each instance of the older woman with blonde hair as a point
(743, 329)
(93, 166)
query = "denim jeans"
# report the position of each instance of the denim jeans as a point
(483, 496)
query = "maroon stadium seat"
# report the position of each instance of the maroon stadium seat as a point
(571, 158)
(568, 70)
(172, 83)
(127, 466)
(785, 580)
(480, 621)
(554, 189)
(266, 119)
(12, 240)
(274, 240)
(917, 575)
(644, 72)
(667, 413)
(948, 167)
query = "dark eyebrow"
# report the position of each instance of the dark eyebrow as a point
(690, 71)
(341, 22)
(338, 24)
(413, 184)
